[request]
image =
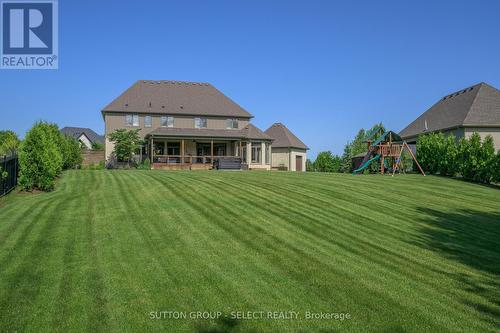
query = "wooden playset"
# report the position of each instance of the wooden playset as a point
(388, 148)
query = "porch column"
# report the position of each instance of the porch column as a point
(182, 151)
(249, 152)
(212, 151)
(240, 152)
(151, 157)
(263, 153)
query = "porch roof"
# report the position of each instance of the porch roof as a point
(249, 132)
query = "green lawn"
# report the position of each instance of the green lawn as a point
(107, 248)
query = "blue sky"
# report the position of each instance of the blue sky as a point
(323, 68)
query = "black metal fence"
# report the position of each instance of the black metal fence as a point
(9, 169)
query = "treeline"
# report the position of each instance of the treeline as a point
(43, 154)
(326, 161)
(469, 158)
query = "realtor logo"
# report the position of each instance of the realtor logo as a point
(29, 34)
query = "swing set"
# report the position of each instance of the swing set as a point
(387, 147)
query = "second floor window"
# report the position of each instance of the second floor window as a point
(231, 123)
(147, 121)
(132, 120)
(167, 121)
(200, 122)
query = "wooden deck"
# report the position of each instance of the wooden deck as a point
(181, 166)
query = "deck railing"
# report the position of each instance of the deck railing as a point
(187, 159)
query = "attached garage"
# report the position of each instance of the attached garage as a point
(288, 152)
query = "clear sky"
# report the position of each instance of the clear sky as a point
(323, 68)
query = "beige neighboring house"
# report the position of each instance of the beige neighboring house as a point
(287, 150)
(188, 125)
(473, 109)
(87, 137)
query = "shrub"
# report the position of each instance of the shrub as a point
(496, 168)
(9, 142)
(40, 158)
(476, 159)
(469, 151)
(3, 174)
(437, 154)
(486, 165)
(97, 146)
(428, 151)
(145, 165)
(448, 156)
(327, 162)
(71, 152)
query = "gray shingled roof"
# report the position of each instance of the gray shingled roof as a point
(478, 105)
(248, 132)
(76, 132)
(283, 138)
(176, 97)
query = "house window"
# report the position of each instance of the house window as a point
(267, 152)
(147, 121)
(256, 151)
(244, 153)
(200, 122)
(132, 120)
(173, 148)
(231, 123)
(167, 121)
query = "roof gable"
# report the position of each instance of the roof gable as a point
(283, 137)
(476, 105)
(76, 132)
(485, 109)
(176, 98)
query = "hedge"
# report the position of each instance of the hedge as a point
(43, 154)
(471, 158)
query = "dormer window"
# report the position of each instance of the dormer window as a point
(232, 123)
(200, 122)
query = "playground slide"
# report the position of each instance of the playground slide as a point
(367, 164)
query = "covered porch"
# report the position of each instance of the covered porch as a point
(184, 153)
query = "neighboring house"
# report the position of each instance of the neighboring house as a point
(85, 136)
(187, 125)
(287, 150)
(474, 109)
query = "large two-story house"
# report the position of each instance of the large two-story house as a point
(188, 125)
(469, 110)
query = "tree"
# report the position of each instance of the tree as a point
(40, 158)
(127, 142)
(346, 159)
(486, 164)
(496, 168)
(358, 145)
(71, 151)
(309, 165)
(448, 165)
(327, 162)
(9, 142)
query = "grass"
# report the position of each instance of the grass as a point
(107, 248)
